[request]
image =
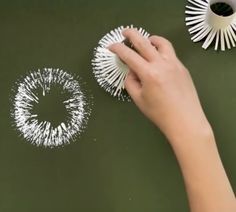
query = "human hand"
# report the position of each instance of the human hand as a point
(161, 86)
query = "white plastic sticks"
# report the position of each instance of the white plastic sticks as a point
(110, 72)
(207, 25)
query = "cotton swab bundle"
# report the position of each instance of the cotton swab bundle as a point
(43, 133)
(212, 21)
(110, 72)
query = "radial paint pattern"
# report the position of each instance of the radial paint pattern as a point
(110, 72)
(212, 21)
(43, 133)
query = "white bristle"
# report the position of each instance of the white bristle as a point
(205, 25)
(110, 72)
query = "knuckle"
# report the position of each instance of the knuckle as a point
(161, 40)
(153, 37)
(140, 43)
(166, 42)
(167, 56)
(152, 75)
(156, 76)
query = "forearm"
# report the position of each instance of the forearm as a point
(207, 185)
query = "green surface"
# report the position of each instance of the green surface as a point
(121, 163)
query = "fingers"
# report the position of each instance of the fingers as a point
(133, 85)
(141, 44)
(130, 58)
(163, 45)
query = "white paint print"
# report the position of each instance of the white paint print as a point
(42, 133)
(110, 72)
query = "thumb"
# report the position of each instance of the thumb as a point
(133, 85)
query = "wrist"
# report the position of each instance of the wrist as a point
(191, 133)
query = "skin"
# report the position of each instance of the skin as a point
(162, 88)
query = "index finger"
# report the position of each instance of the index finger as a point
(132, 59)
(141, 44)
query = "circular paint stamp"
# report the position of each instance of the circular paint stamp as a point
(29, 93)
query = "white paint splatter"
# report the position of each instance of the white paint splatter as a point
(42, 133)
(110, 72)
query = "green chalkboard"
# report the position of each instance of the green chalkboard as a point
(121, 163)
